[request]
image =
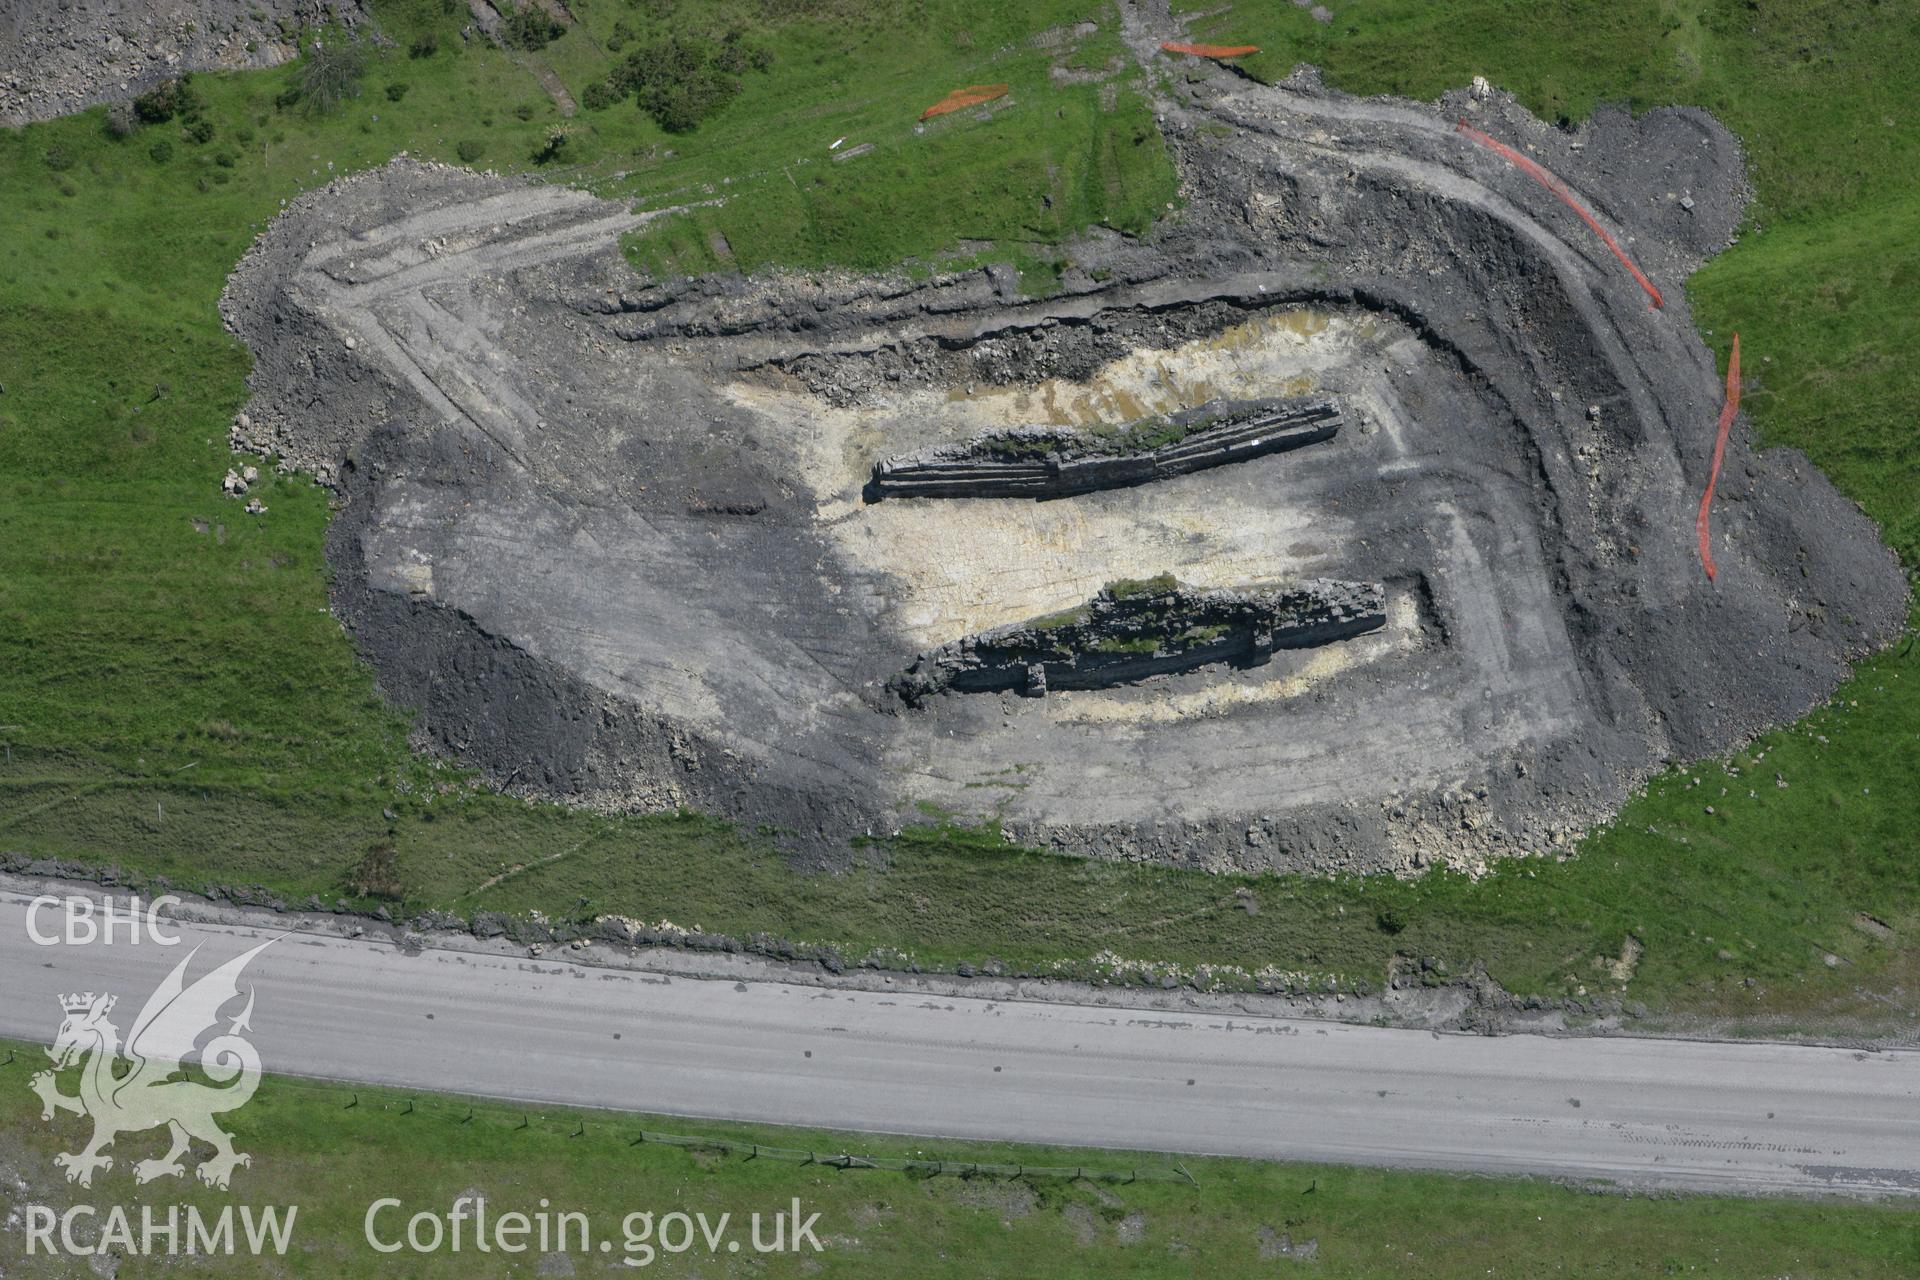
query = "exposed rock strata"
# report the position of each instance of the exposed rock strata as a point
(1054, 462)
(1134, 631)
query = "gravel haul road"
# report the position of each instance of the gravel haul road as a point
(1745, 1117)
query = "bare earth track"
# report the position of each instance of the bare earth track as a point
(606, 533)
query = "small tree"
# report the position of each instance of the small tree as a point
(332, 70)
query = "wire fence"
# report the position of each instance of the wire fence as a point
(462, 1112)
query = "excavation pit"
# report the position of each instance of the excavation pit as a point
(612, 538)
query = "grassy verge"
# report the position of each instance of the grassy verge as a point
(835, 168)
(1734, 912)
(175, 698)
(334, 1150)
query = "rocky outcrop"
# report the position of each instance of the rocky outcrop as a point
(58, 57)
(1134, 630)
(1055, 462)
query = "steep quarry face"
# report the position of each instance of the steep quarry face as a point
(621, 541)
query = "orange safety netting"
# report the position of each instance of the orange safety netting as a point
(1553, 184)
(1210, 50)
(1727, 409)
(971, 96)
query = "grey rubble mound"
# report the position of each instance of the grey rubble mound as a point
(604, 534)
(1133, 631)
(58, 56)
(1050, 461)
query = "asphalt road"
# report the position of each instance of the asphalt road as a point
(1740, 1117)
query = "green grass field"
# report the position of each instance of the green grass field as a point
(334, 1150)
(175, 699)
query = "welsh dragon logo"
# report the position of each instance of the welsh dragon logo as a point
(149, 1095)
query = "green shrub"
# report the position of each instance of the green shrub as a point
(199, 130)
(524, 111)
(58, 158)
(160, 152)
(424, 45)
(168, 99)
(681, 80)
(397, 91)
(733, 56)
(377, 875)
(530, 27)
(469, 151)
(598, 96)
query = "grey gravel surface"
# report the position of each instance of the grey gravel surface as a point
(1745, 1117)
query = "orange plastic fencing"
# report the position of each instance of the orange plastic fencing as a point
(1553, 184)
(1728, 408)
(1211, 50)
(971, 96)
